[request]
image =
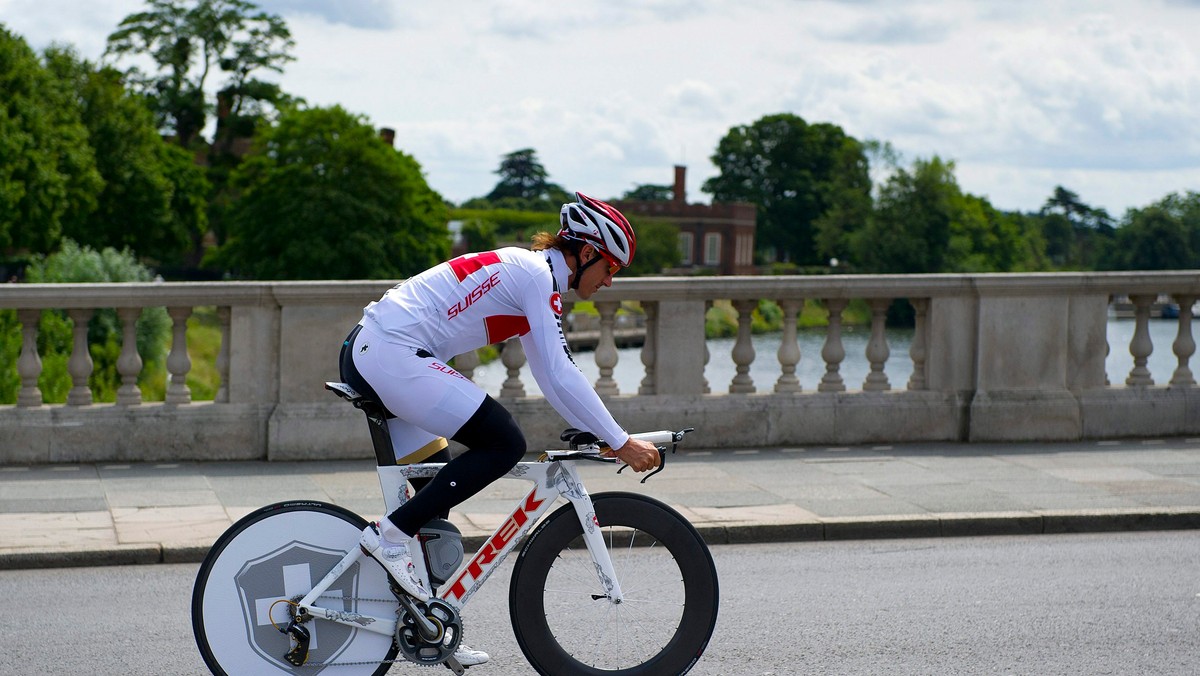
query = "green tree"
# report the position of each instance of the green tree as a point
(650, 193)
(909, 229)
(322, 197)
(153, 200)
(796, 173)
(48, 176)
(524, 184)
(657, 247)
(1076, 234)
(189, 40)
(1162, 236)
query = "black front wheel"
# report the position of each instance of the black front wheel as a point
(566, 625)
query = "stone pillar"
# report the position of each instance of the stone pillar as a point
(1022, 367)
(606, 349)
(649, 347)
(680, 369)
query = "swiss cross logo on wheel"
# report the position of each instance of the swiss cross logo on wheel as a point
(556, 303)
(285, 573)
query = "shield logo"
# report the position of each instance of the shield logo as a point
(285, 573)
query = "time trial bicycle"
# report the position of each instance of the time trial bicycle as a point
(614, 583)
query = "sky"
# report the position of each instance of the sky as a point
(1099, 96)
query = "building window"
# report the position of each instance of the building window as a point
(685, 248)
(745, 250)
(712, 248)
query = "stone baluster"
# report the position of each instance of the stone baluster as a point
(917, 351)
(565, 317)
(224, 315)
(129, 364)
(1141, 346)
(80, 363)
(29, 364)
(512, 355)
(877, 347)
(707, 354)
(833, 352)
(1107, 348)
(466, 363)
(606, 349)
(789, 347)
(649, 347)
(1184, 345)
(743, 348)
(178, 362)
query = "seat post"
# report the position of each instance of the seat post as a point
(381, 438)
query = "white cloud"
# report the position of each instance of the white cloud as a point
(1100, 96)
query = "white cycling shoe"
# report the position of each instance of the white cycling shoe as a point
(468, 657)
(396, 559)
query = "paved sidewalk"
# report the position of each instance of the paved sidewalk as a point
(149, 513)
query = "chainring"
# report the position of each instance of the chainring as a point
(426, 653)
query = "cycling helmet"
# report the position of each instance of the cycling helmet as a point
(601, 225)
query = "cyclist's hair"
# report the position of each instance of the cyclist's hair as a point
(544, 240)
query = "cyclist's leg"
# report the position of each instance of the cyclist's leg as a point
(494, 446)
(412, 445)
(428, 394)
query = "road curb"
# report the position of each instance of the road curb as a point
(118, 555)
(837, 529)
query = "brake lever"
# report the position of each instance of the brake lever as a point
(662, 462)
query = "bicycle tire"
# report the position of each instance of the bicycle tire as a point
(281, 551)
(667, 576)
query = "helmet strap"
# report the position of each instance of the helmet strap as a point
(581, 267)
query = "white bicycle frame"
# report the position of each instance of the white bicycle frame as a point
(553, 477)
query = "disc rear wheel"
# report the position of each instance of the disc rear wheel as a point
(270, 558)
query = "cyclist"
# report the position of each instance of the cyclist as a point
(398, 353)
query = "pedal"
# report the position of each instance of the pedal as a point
(298, 655)
(453, 665)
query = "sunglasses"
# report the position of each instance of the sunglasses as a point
(613, 266)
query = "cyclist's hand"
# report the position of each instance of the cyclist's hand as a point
(640, 455)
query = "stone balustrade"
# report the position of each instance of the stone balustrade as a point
(993, 358)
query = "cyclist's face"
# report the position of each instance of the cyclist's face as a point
(597, 275)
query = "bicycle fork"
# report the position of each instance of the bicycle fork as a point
(593, 536)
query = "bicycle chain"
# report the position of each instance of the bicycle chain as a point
(322, 665)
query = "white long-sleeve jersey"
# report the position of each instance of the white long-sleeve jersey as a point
(485, 298)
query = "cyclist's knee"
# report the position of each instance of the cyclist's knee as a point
(493, 427)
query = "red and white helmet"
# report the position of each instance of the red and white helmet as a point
(601, 225)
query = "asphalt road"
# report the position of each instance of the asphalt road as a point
(1122, 603)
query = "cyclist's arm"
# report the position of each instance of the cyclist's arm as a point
(564, 386)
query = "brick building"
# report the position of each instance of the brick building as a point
(717, 237)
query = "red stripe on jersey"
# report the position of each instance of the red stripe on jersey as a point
(466, 264)
(503, 327)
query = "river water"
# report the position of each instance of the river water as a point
(765, 369)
